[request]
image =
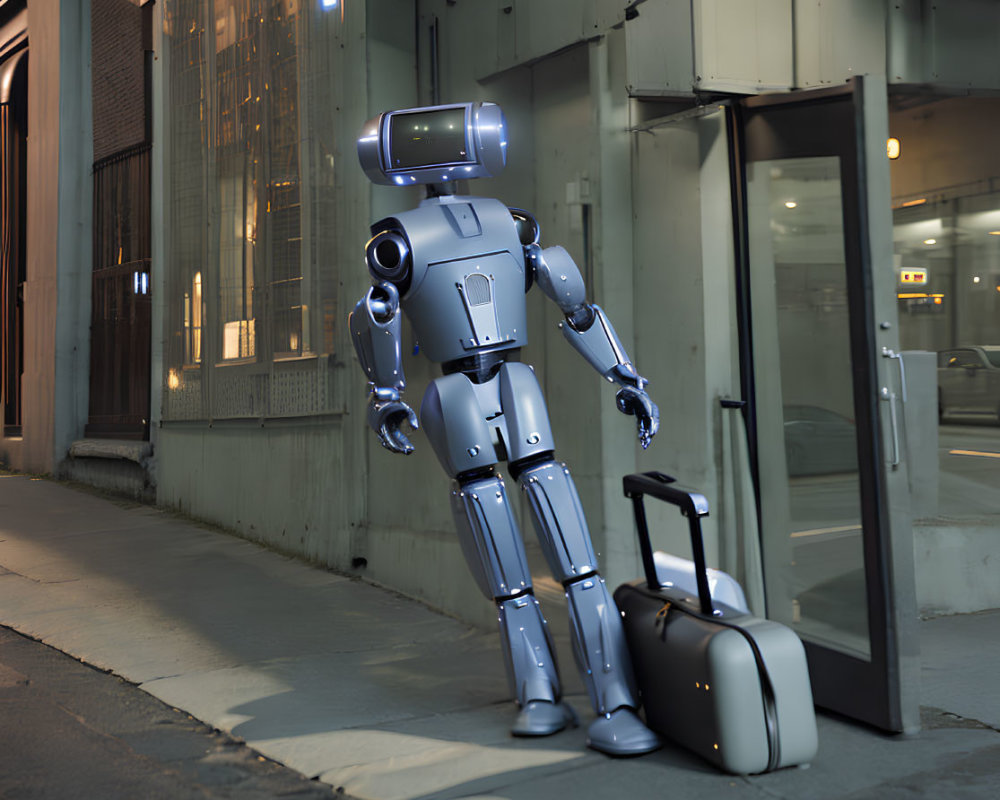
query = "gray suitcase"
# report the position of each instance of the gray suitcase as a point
(732, 687)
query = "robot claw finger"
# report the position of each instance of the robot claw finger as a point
(459, 268)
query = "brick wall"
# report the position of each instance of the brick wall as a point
(118, 74)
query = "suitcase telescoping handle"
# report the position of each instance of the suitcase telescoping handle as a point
(693, 505)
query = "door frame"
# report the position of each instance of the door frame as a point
(885, 690)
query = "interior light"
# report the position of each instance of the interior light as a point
(329, 3)
(930, 241)
(994, 233)
(975, 279)
(892, 148)
(790, 204)
(918, 202)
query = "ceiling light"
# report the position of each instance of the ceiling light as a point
(892, 148)
(790, 204)
(930, 241)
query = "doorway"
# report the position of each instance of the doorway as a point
(823, 388)
(13, 274)
(121, 314)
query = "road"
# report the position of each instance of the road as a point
(69, 731)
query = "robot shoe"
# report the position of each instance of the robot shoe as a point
(542, 718)
(621, 733)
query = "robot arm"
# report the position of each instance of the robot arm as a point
(590, 332)
(375, 330)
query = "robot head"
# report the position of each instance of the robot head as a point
(434, 144)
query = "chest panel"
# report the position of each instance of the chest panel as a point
(468, 304)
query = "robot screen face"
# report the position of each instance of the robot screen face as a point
(435, 144)
(427, 138)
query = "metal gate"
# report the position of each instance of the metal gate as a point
(121, 313)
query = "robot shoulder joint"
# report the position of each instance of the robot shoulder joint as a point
(389, 258)
(527, 227)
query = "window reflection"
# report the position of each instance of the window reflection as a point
(810, 491)
(253, 107)
(946, 223)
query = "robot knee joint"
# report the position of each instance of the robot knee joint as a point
(516, 468)
(593, 574)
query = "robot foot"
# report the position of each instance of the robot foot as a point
(542, 718)
(621, 733)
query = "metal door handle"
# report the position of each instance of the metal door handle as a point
(888, 353)
(890, 398)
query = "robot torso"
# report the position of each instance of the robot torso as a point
(464, 291)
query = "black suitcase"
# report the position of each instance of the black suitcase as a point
(732, 687)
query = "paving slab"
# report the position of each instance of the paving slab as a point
(951, 667)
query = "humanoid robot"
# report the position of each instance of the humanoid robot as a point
(459, 268)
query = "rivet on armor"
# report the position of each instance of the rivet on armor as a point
(534, 438)
(474, 451)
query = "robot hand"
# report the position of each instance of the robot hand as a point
(386, 415)
(633, 400)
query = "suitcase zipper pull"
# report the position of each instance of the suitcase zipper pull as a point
(662, 613)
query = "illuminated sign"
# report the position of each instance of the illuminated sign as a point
(913, 276)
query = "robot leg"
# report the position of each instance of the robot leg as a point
(455, 423)
(493, 548)
(595, 623)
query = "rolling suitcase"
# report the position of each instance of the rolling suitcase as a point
(732, 687)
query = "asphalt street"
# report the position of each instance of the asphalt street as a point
(69, 731)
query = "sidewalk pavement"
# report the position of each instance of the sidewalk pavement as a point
(382, 697)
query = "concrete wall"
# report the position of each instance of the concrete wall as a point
(685, 323)
(645, 213)
(325, 489)
(57, 290)
(321, 487)
(75, 255)
(956, 567)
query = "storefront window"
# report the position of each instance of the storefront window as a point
(250, 195)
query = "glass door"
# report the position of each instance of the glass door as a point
(825, 391)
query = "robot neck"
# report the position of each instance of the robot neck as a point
(440, 189)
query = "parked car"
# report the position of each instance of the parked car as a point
(819, 441)
(969, 383)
